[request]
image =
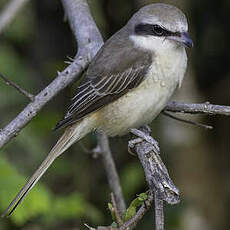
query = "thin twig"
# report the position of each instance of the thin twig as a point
(18, 88)
(187, 121)
(202, 108)
(10, 11)
(111, 172)
(159, 212)
(116, 212)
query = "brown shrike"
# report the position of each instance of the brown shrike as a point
(127, 84)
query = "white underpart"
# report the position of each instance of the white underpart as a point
(142, 104)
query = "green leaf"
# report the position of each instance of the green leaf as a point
(132, 209)
(130, 212)
(111, 209)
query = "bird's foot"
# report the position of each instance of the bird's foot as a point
(132, 143)
(145, 135)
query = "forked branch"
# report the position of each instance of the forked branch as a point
(89, 41)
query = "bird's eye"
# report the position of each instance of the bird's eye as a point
(159, 31)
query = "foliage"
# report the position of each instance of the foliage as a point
(135, 204)
(130, 211)
(40, 201)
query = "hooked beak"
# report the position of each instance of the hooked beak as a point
(183, 38)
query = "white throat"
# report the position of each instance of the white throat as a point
(153, 44)
(169, 58)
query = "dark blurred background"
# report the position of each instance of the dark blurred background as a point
(74, 191)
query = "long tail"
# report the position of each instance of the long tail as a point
(70, 136)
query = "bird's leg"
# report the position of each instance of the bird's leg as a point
(144, 134)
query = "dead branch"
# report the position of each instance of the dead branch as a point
(159, 212)
(156, 175)
(117, 214)
(186, 121)
(202, 108)
(111, 172)
(18, 88)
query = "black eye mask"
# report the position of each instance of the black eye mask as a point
(154, 30)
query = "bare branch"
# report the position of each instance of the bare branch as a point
(18, 88)
(155, 171)
(186, 121)
(116, 212)
(30, 111)
(10, 11)
(159, 212)
(156, 175)
(111, 172)
(203, 108)
(90, 39)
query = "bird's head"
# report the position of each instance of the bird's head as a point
(159, 26)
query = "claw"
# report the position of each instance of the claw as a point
(143, 136)
(131, 145)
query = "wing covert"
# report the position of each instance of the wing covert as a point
(105, 81)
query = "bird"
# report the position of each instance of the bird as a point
(127, 84)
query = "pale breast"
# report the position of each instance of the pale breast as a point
(141, 105)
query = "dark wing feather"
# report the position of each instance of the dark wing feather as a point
(105, 82)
